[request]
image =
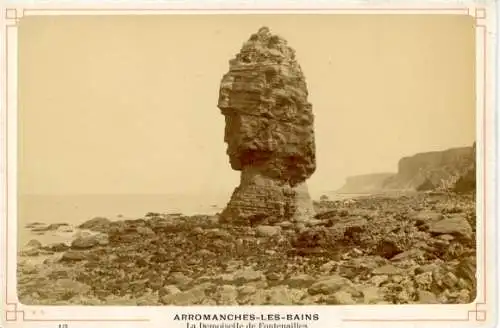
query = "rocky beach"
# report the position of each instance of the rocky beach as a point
(415, 247)
(411, 240)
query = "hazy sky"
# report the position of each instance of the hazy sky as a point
(127, 104)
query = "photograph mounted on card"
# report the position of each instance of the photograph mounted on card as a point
(165, 163)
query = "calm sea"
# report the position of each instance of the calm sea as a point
(76, 209)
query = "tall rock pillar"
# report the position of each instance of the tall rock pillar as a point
(269, 131)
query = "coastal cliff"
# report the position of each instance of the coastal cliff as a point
(365, 183)
(432, 170)
(467, 181)
(451, 169)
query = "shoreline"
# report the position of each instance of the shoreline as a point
(374, 249)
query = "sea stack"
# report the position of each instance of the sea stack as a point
(269, 132)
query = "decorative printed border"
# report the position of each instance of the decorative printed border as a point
(477, 311)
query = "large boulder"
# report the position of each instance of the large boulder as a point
(96, 224)
(456, 225)
(86, 242)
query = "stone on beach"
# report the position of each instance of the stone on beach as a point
(456, 225)
(96, 224)
(242, 276)
(426, 297)
(300, 281)
(93, 240)
(387, 270)
(34, 244)
(190, 297)
(329, 285)
(341, 298)
(56, 247)
(47, 227)
(71, 256)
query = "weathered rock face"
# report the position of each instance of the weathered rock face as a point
(438, 169)
(467, 182)
(269, 130)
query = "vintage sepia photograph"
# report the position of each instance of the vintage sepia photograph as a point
(260, 159)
